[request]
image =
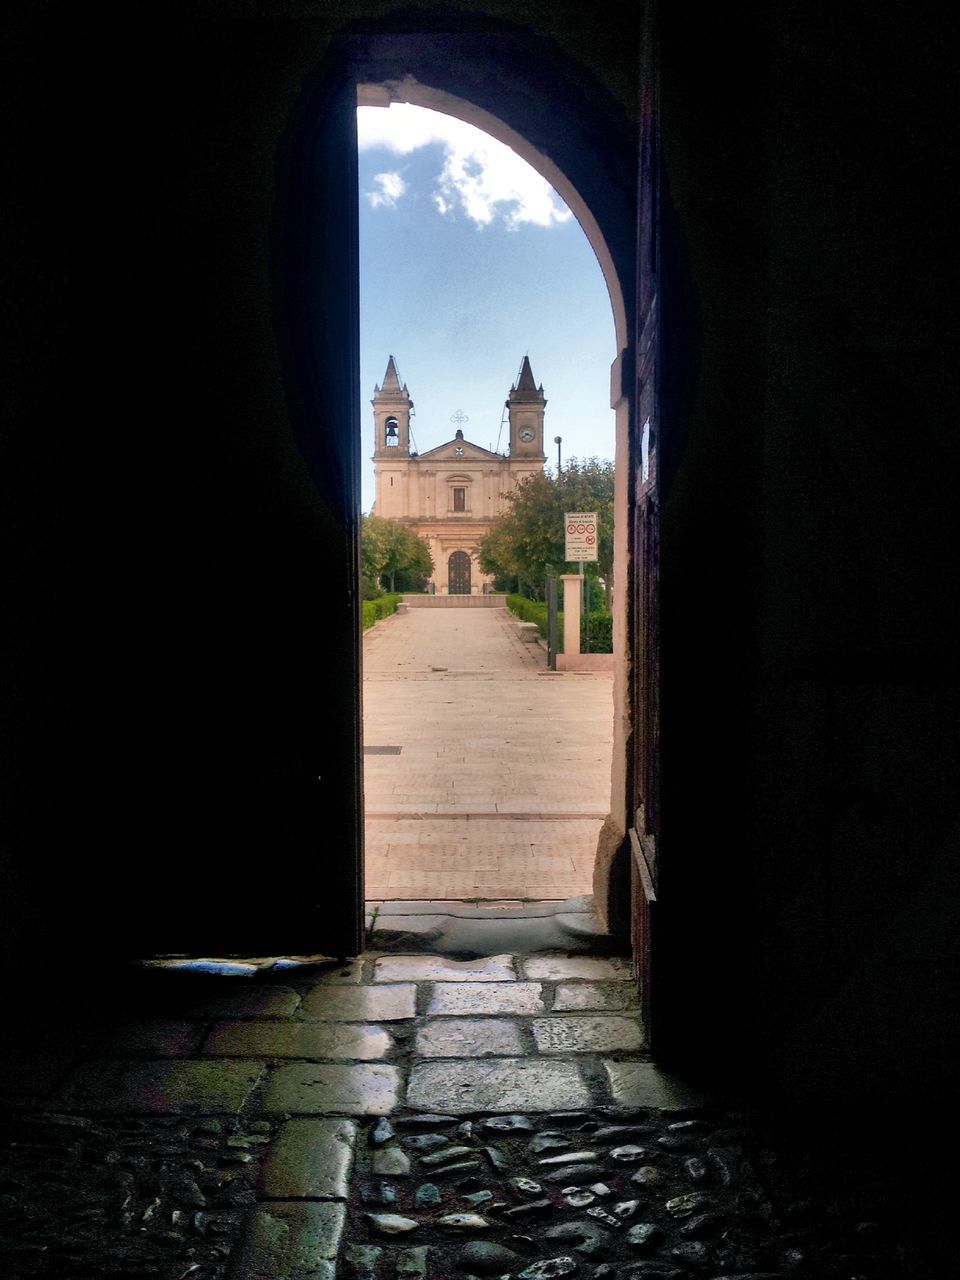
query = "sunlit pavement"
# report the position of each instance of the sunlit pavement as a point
(502, 780)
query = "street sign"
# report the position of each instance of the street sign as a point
(580, 533)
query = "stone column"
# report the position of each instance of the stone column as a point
(571, 613)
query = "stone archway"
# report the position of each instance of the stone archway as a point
(474, 79)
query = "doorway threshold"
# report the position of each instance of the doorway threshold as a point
(469, 931)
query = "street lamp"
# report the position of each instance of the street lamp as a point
(558, 441)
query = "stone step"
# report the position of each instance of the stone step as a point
(455, 602)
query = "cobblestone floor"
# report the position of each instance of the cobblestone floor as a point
(410, 1116)
(499, 775)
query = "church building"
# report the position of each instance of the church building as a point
(452, 495)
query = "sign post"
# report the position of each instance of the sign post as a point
(580, 535)
(580, 545)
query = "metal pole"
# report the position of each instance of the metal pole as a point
(558, 441)
(583, 605)
(551, 622)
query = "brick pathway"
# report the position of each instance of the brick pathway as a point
(503, 777)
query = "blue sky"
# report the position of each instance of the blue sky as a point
(468, 261)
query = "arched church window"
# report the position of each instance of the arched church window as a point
(392, 435)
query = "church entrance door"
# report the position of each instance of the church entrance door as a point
(458, 574)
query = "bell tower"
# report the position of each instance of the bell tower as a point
(391, 415)
(525, 408)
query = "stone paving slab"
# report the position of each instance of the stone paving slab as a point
(292, 1240)
(171, 1086)
(305, 1088)
(468, 1038)
(311, 1160)
(642, 1084)
(594, 995)
(386, 1003)
(246, 1001)
(599, 1034)
(439, 969)
(162, 1038)
(297, 1040)
(563, 968)
(506, 1084)
(484, 997)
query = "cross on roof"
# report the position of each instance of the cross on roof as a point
(458, 419)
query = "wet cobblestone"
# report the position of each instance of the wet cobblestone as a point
(686, 1203)
(125, 1197)
(498, 1135)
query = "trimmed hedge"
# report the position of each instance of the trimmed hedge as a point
(600, 624)
(382, 607)
(529, 611)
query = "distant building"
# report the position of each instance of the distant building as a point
(451, 495)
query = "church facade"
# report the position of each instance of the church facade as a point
(452, 495)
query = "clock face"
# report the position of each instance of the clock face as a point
(526, 435)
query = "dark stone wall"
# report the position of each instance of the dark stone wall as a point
(165, 658)
(176, 650)
(165, 544)
(809, 546)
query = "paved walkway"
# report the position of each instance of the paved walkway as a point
(502, 780)
(413, 1117)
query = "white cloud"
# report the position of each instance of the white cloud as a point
(392, 187)
(480, 177)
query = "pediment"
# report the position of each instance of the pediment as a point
(467, 451)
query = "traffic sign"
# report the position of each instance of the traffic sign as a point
(580, 535)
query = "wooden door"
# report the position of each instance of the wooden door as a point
(645, 540)
(316, 271)
(458, 574)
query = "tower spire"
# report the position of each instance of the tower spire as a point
(391, 379)
(525, 381)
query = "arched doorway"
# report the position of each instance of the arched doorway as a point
(520, 90)
(458, 574)
(607, 216)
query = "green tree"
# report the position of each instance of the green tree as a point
(389, 549)
(529, 537)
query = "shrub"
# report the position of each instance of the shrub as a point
(535, 611)
(598, 625)
(382, 607)
(598, 629)
(529, 611)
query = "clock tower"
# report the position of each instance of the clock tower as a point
(525, 407)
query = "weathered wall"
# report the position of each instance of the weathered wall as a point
(809, 561)
(165, 545)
